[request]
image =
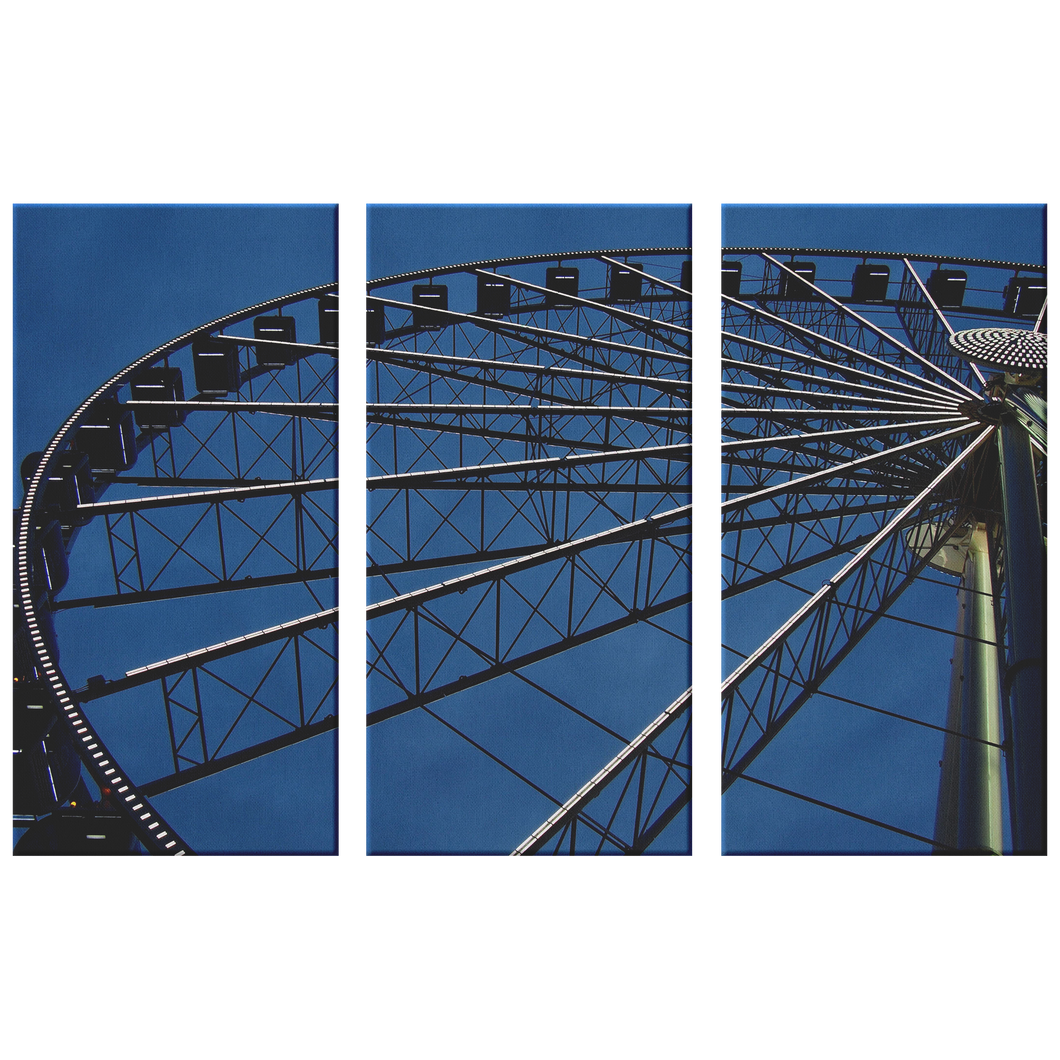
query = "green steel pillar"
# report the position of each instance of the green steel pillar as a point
(969, 806)
(1025, 577)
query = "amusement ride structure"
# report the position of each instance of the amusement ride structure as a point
(199, 485)
(529, 566)
(884, 451)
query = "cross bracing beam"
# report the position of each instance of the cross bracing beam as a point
(546, 389)
(798, 458)
(844, 545)
(627, 760)
(233, 447)
(267, 717)
(286, 532)
(645, 413)
(517, 329)
(837, 510)
(737, 369)
(635, 571)
(547, 500)
(744, 470)
(189, 774)
(510, 665)
(460, 476)
(792, 441)
(178, 592)
(533, 335)
(838, 448)
(425, 361)
(592, 428)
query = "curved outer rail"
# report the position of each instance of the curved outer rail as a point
(157, 836)
(525, 259)
(888, 255)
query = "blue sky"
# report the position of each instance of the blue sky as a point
(897, 667)
(428, 791)
(95, 288)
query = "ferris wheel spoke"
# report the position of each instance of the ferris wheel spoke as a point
(758, 460)
(766, 394)
(570, 427)
(796, 441)
(814, 339)
(772, 683)
(877, 331)
(647, 528)
(740, 373)
(188, 661)
(825, 371)
(797, 484)
(749, 412)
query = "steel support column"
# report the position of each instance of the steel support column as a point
(1025, 572)
(969, 807)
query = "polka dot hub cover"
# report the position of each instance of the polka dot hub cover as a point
(1013, 349)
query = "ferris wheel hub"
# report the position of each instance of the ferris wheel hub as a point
(1017, 351)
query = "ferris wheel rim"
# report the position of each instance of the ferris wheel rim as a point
(521, 259)
(149, 826)
(889, 255)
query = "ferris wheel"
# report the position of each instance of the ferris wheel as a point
(204, 578)
(883, 471)
(529, 536)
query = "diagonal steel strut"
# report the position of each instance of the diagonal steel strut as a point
(624, 759)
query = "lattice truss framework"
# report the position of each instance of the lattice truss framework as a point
(529, 494)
